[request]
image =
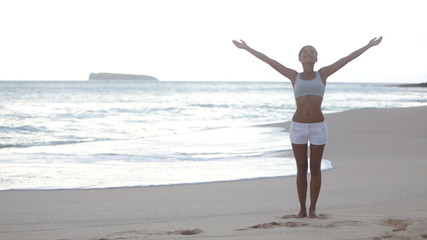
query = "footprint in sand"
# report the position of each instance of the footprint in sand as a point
(275, 224)
(188, 232)
(404, 229)
(136, 233)
(344, 223)
(320, 216)
(327, 224)
(397, 224)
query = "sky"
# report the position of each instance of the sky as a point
(191, 40)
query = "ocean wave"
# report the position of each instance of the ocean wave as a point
(221, 156)
(24, 129)
(211, 105)
(49, 143)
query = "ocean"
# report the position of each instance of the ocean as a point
(104, 134)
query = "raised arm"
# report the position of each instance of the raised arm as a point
(331, 69)
(287, 72)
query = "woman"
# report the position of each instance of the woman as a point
(308, 124)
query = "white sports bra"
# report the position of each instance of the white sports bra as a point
(309, 87)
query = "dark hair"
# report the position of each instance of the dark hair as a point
(300, 51)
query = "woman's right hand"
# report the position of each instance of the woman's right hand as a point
(242, 44)
(375, 41)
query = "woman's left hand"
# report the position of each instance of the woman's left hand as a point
(375, 41)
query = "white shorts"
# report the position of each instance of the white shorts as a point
(315, 133)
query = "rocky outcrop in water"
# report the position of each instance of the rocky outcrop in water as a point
(120, 76)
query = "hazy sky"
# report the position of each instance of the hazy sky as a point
(191, 39)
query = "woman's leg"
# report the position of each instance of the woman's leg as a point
(300, 153)
(316, 154)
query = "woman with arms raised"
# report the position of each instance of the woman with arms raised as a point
(308, 124)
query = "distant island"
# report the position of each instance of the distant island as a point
(413, 85)
(120, 76)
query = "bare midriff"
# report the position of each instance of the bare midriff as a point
(308, 109)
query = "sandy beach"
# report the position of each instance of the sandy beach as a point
(376, 190)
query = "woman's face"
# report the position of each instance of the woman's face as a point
(308, 54)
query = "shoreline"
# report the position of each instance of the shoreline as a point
(375, 190)
(268, 156)
(157, 186)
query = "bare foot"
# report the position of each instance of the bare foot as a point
(302, 214)
(312, 214)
